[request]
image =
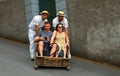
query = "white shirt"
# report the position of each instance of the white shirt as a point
(64, 22)
(37, 20)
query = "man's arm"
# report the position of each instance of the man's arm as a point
(36, 29)
(36, 22)
(66, 30)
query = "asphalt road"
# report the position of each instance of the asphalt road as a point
(14, 61)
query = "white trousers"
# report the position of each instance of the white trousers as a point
(32, 47)
(69, 54)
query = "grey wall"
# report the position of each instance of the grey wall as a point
(12, 20)
(61, 6)
(95, 29)
(31, 9)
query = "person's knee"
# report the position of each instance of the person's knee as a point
(65, 46)
(41, 43)
(54, 46)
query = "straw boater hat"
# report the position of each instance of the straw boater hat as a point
(60, 13)
(44, 12)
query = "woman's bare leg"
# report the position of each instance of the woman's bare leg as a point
(53, 50)
(65, 51)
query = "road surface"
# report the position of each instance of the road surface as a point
(14, 61)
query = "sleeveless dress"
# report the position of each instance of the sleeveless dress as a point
(60, 41)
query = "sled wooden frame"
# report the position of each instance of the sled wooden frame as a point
(51, 62)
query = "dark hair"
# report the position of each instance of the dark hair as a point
(47, 22)
(58, 25)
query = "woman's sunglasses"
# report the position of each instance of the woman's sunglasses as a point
(60, 27)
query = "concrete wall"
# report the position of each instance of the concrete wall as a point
(95, 29)
(31, 9)
(61, 6)
(12, 20)
(15, 15)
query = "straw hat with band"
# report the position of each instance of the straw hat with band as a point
(44, 12)
(60, 13)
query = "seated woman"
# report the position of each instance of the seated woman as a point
(43, 39)
(61, 39)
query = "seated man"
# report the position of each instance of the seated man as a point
(43, 38)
